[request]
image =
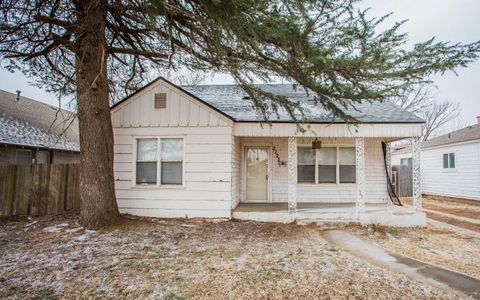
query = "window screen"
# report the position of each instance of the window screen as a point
(445, 161)
(147, 152)
(347, 165)
(327, 165)
(24, 157)
(306, 165)
(43, 157)
(172, 161)
(451, 160)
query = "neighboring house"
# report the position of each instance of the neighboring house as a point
(450, 163)
(33, 132)
(203, 151)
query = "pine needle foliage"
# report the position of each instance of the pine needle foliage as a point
(328, 47)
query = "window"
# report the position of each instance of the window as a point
(406, 161)
(147, 152)
(42, 157)
(449, 160)
(166, 169)
(24, 157)
(306, 165)
(172, 161)
(326, 165)
(348, 173)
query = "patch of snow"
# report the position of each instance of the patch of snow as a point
(82, 238)
(30, 224)
(73, 230)
(51, 229)
(188, 225)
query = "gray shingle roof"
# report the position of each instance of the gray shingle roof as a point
(31, 123)
(229, 99)
(466, 134)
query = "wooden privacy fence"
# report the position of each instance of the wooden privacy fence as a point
(38, 190)
(403, 180)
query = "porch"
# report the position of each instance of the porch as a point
(374, 213)
(341, 177)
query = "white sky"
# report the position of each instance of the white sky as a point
(447, 20)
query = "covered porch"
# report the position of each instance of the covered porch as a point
(358, 192)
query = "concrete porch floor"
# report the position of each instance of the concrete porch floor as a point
(382, 214)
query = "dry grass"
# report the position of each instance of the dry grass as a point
(178, 259)
(432, 245)
(461, 212)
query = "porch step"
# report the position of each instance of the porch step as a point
(328, 224)
(326, 216)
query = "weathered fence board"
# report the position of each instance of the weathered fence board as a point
(38, 190)
(403, 184)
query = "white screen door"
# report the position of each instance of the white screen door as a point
(257, 174)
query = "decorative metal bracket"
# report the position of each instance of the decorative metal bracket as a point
(417, 194)
(360, 174)
(292, 176)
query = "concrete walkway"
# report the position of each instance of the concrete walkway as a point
(433, 275)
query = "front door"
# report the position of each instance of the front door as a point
(257, 174)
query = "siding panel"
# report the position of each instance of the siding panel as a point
(208, 160)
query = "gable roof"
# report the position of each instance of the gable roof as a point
(466, 134)
(30, 123)
(230, 101)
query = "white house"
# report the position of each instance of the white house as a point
(450, 163)
(203, 151)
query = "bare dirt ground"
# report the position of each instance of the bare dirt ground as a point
(461, 212)
(53, 257)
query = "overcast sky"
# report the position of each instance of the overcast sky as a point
(447, 20)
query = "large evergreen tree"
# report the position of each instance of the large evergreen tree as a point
(99, 49)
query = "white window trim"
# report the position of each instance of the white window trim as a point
(316, 183)
(159, 161)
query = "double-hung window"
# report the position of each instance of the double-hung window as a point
(159, 161)
(449, 160)
(306, 165)
(348, 169)
(326, 165)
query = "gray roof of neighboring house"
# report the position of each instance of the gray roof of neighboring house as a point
(34, 124)
(469, 133)
(229, 99)
(466, 134)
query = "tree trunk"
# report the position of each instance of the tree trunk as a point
(98, 206)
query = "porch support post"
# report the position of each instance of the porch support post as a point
(417, 195)
(292, 176)
(360, 175)
(388, 159)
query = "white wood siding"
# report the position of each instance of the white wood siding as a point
(461, 182)
(208, 155)
(182, 110)
(236, 166)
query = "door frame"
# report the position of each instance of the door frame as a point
(245, 147)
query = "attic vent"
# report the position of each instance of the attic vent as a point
(160, 100)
